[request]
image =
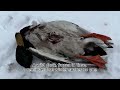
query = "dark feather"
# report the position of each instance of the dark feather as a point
(95, 50)
(23, 57)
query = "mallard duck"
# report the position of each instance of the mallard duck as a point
(60, 41)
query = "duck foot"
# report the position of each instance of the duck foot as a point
(101, 37)
(97, 60)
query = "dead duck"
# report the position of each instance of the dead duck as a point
(60, 41)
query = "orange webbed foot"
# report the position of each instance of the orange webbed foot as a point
(97, 60)
(99, 36)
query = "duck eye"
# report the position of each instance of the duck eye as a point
(81, 38)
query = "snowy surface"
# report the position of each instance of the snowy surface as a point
(106, 22)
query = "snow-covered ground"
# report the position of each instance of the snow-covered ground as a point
(104, 22)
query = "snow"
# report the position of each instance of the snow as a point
(103, 22)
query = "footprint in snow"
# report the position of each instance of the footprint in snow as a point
(22, 22)
(15, 22)
(6, 21)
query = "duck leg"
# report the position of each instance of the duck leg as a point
(97, 60)
(101, 37)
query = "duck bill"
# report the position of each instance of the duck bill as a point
(19, 39)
